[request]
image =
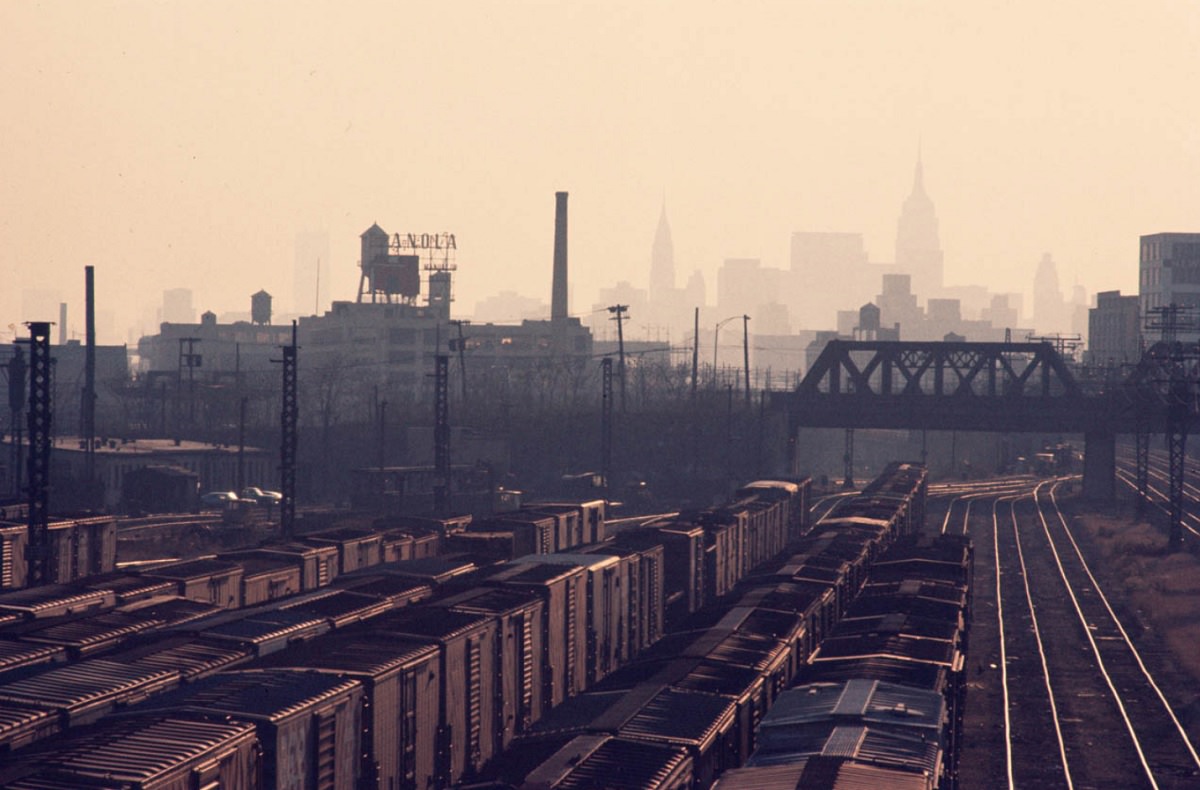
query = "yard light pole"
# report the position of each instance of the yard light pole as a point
(716, 335)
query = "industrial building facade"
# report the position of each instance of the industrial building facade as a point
(1169, 271)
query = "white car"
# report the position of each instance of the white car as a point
(218, 498)
(262, 497)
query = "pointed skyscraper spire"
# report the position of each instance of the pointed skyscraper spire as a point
(918, 248)
(919, 176)
(662, 258)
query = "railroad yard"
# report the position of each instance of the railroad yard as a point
(1031, 639)
(1080, 667)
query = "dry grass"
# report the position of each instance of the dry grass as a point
(1163, 588)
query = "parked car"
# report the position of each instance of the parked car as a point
(218, 498)
(261, 496)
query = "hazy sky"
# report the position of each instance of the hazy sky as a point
(187, 142)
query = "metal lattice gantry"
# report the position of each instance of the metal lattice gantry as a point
(289, 431)
(441, 434)
(39, 416)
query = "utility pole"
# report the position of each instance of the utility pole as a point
(606, 423)
(695, 351)
(620, 318)
(746, 353)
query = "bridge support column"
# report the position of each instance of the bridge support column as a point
(1099, 465)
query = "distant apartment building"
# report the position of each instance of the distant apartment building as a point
(1114, 330)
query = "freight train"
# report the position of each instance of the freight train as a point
(360, 658)
(867, 617)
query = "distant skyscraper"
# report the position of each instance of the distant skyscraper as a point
(177, 307)
(918, 247)
(662, 260)
(39, 304)
(1049, 311)
(310, 274)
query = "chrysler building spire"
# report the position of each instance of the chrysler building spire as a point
(662, 259)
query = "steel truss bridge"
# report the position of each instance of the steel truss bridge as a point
(1006, 388)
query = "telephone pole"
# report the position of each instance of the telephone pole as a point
(620, 318)
(746, 353)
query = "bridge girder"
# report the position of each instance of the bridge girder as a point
(1004, 387)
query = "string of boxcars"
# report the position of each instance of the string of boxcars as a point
(357, 657)
(867, 617)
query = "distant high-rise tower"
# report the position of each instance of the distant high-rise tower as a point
(310, 274)
(662, 260)
(918, 248)
(1049, 312)
(177, 306)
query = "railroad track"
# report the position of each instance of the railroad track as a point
(1062, 694)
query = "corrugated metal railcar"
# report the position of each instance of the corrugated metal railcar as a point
(81, 547)
(644, 592)
(83, 692)
(401, 681)
(519, 682)
(21, 725)
(266, 579)
(14, 567)
(193, 657)
(604, 620)
(563, 589)
(341, 608)
(396, 546)
(467, 643)
(268, 632)
(145, 753)
(218, 582)
(357, 548)
(128, 587)
(569, 531)
(318, 564)
(18, 655)
(55, 600)
(590, 761)
(532, 533)
(700, 722)
(396, 591)
(309, 723)
(683, 552)
(83, 635)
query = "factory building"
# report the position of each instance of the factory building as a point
(391, 332)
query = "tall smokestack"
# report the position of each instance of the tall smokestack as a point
(62, 323)
(558, 295)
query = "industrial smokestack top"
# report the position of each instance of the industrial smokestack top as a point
(558, 295)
